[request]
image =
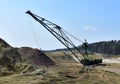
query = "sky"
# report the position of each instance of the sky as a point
(94, 20)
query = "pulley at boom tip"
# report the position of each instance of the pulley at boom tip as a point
(28, 11)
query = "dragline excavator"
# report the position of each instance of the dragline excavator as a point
(61, 35)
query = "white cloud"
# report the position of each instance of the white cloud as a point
(90, 28)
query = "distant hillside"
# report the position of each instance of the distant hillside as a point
(105, 47)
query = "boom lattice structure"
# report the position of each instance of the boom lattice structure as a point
(61, 35)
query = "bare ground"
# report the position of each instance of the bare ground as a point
(66, 73)
(112, 65)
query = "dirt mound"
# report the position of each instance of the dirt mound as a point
(35, 56)
(8, 55)
(4, 44)
(60, 57)
(10, 60)
(14, 60)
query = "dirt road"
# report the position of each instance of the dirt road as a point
(113, 67)
(111, 60)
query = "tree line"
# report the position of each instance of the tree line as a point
(105, 47)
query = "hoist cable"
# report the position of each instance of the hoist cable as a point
(72, 36)
(34, 34)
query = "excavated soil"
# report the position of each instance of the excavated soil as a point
(35, 56)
